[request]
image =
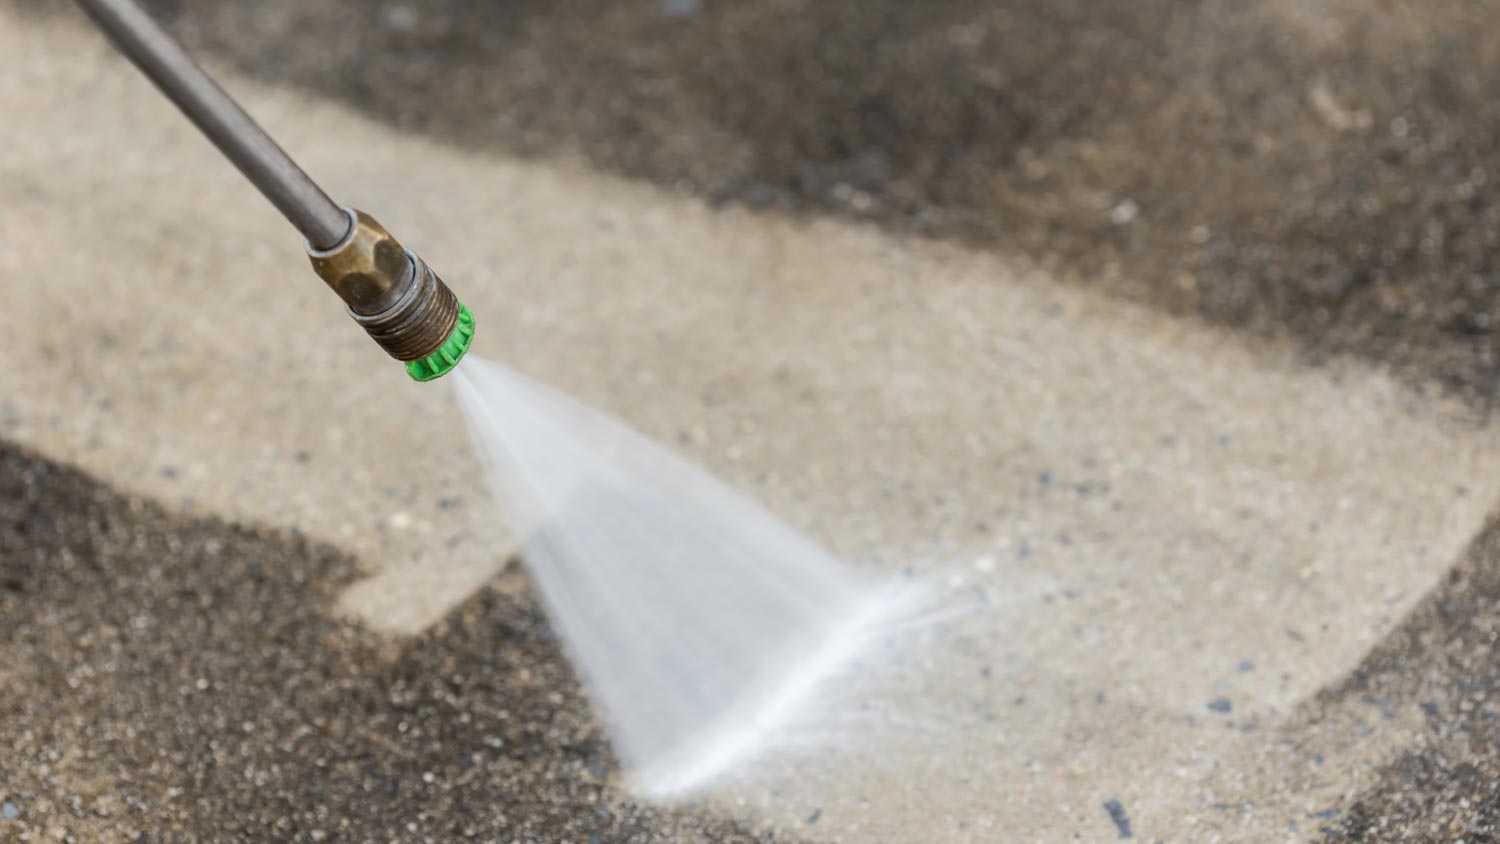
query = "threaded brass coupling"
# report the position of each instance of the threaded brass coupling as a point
(399, 301)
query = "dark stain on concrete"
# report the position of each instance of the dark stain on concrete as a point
(1319, 171)
(165, 678)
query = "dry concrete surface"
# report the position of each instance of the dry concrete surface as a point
(1206, 441)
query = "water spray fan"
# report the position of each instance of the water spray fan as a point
(388, 289)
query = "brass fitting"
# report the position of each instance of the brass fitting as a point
(389, 290)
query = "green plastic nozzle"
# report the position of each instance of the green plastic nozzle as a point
(442, 361)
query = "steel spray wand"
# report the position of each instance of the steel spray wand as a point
(389, 290)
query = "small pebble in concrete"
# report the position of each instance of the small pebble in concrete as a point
(680, 9)
(813, 818)
(10, 811)
(401, 18)
(1220, 704)
(1118, 816)
(1324, 814)
(1246, 666)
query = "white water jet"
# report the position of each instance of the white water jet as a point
(698, 621)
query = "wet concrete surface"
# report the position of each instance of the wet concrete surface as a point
(1315, 170)
(170, 678)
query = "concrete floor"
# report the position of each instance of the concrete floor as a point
(1186, 538)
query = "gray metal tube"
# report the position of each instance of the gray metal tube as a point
(265, 164)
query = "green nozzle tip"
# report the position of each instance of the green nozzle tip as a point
(438, 364)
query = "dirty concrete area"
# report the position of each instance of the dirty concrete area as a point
(1444, 660)
(174, 678)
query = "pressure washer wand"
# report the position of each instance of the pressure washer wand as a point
(388, 289)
